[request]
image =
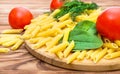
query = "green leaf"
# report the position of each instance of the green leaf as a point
(86, 41)
(75, 8)
(84, 26)
(85, 36)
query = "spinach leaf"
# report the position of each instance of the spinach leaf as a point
(85, 36)
(86, 26)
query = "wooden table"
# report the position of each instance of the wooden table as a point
(20, 61)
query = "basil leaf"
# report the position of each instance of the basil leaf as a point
(87, 26)
(86, 41)
(85, 36)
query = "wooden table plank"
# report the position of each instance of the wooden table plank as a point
(20, 61)
(37, 7)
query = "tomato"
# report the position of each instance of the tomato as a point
(55, 4)
(19, 17)
(108, 23)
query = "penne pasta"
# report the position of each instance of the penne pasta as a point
(69, 49)
(66, 35)
(100, 55)
(10, 43)
(82, 55)
(35, 40)
(4, 50)
(93, 55)
(17, 45)
(59, 54)
(41, 43)
(53, 42)
(117, 42)
(63, 24)
(55, 12)
(12, 31)
(72, 57)
(65, 17)
(35, 32)
(113, 55)
(59, 47)
(89, 53)
(110, 45)
(49, 32)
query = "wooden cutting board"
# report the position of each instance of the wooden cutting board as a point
(86, 65)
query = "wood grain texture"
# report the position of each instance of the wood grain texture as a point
(37, 7)
(84, 65)
(20, 61)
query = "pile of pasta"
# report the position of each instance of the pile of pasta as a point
(45, 31)
(10, 39)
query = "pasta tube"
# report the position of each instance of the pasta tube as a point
(100, 55)
(4, 50)
(17, 45)
(12, 31)
(59, 47)
(113, 55)
(41, 43)
(72, 57)
(82, 55)
(10, 43)
(68, 49)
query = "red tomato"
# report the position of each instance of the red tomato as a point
(55, 4)
(108, 23)
(19, 17)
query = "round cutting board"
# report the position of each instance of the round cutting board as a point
(86, 65)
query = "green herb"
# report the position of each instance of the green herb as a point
(75, 8)
(85, 36)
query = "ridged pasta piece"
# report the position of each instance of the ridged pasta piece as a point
(59, 47)
(72, 57)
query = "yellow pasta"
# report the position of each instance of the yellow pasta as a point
(4, 40)
(59, 47)
(117, 42)
(64, 23)
(66, 35)
(110, 45)
(30, 29)
(55, 12)
(72, 57)
(68, 49)
(17, 45)
(39, 18)
(46, 21)
(53, 42)
(35, 40)
(110, 51)
(35, 32)
(4, 50)
(49, 32)
(41, 43)
(46, 31)
(100, 55)
(12, 31)
(59, 54)
(82, 55)
(26, 36)
(48, 26)
(89, 53)
(113, 55)
(95, 53)
(10, 43)
(10, 35)
(65, 17)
